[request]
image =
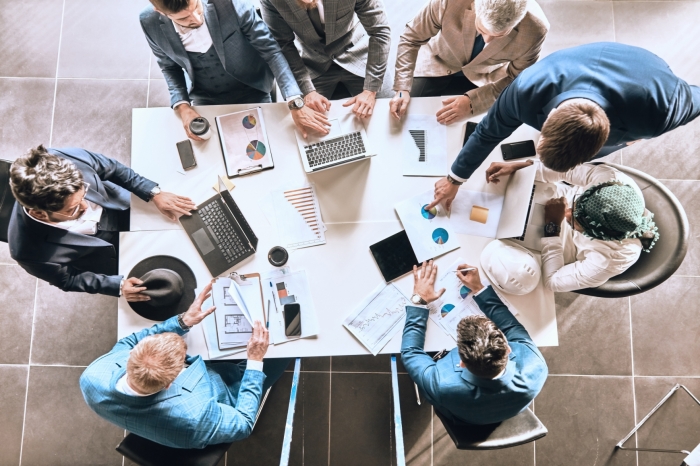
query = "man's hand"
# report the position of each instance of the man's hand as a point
(132, 291)
(445, 192)
(187, 114)
(258, 343)
(554, 210)
(399, 104)
(454, 108)
(499, 169)
(309, 120)
(173, 206)
(363, 103)
(424, 282)
(471, 278)
(316, 101)
(195, 314)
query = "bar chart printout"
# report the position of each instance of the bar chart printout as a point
(298, 217)
(378, 317)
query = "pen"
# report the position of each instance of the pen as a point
(267, 325)
(469, 269)
(273, 298)
(400, 94)
(417, 393)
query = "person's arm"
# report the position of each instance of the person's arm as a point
(586, 273)
(68, 278)
(108, 169)
(419, 365)
(582, 175)
(491, 305)
(170, 325)
(373, 19)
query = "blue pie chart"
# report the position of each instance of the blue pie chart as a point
(440, 236)
(446, 309)
(429, 214)
(464, 291)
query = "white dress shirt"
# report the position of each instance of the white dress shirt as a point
(196, 40)
(321, 11)
(85, 225)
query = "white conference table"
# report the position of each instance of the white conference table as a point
(357, 204)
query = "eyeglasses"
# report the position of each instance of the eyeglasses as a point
(77, 207)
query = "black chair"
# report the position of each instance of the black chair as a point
(518, 430)
(147, 453)
(656, 266)
(7, 200)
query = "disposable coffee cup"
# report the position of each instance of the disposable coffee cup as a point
(278, 256)
(200, 127)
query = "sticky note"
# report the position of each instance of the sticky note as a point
(227, 182)
(479, 214)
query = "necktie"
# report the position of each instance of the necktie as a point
(478, 46)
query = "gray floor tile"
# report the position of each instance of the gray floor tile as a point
(446, 454)
(665, 29)
(5, 254)
(17, 302)
(674, 426)
(101, 41)
(13, 386)
(594, 336)
(60, 429)
(312, 420)
(688, 193)
(25, 114)
(158, 94)
(314, 364)
(72, 328)
(576, 23)
(665, 327)
(417, 425)
(364, 363)
(361, 420)
(26, 52)
(96, 115)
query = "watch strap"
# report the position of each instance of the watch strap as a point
(182, 322)
(453, 181)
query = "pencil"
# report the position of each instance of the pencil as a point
(267, 325)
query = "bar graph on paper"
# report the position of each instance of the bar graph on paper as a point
(299, 221)
(377, 319)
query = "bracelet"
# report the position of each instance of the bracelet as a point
(182, 323)
(471, 109)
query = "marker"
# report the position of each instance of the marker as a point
(469, 269)
(267, 325)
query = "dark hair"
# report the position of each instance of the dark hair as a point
(482, 346)
(42, 181)
(170, 6)
(573, 134)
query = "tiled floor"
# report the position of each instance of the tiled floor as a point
(70, 73)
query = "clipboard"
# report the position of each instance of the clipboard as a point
(245, 146)
(241, 279)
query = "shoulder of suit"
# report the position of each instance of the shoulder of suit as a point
(535, 17)
(149, 15)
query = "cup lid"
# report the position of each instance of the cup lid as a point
(199, 125)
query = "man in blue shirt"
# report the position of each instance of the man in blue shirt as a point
(494, 372)
(587, 101)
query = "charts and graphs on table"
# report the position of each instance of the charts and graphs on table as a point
(284, 286)
(429, 231)
(378, 317)
(424, 146)
(298, 217)
(244, 141)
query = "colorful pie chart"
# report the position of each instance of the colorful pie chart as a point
(256, 150)
(440, 236)
(446, 309)
(429, 214)
(464, 291)
(249, 121)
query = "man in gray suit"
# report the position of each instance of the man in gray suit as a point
(232, 60)
(334, 48)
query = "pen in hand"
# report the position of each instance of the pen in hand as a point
(468, 269)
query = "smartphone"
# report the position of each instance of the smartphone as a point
(184, 148)
(471, 127)
(292, 320)
(518, 150)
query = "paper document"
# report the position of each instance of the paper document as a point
(430, 231)
(476, 213)
(298, 217)
(211, 337)
(424, 146)
(286, 287)
(244, 142)
(378, 317)
(233, 326)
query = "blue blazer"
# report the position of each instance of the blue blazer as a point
(638, 91)
(242, 42)
(73, 261)
(458, 393)
(201, 407)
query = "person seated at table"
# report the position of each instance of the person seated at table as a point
(494, 372)
(472, 49)
(588, 101)
(606, 229)
(233, 59)
(150, 386)
(64, 227)
(334, 48)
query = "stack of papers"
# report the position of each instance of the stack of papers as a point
(297, 215)
(284, 287)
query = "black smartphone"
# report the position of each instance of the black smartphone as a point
(184, 148)
(471, 127)
(518, 150)
(292, 320)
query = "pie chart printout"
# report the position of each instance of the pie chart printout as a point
(256, 150)
(249, 122)
(446, 309)
(440, 236)
(429, 214)
(464, 291)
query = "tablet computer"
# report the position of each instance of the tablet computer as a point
(394, 256)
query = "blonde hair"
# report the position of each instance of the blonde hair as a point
(500, 15)
(156, 361)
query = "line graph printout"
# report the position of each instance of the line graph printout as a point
(378, 317)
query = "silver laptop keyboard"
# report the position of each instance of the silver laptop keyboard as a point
(527, 217)
(336, 149)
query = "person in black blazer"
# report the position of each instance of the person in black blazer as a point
(64, 225)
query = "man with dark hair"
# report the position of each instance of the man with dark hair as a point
(65, 223)
(588, 101)
(228, 54)
(494, 372)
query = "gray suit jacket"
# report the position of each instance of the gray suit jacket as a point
(240, 39)
(346, 43)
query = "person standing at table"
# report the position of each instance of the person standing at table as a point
(228, 54)
(468, 48)
(334, 48)
(148, 385)
(496, 369)
(64, 227)
(587, 101)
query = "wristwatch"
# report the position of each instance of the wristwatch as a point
(551, 229)
(155, 191)
(416, 299)
(453, 181)
(182, 322)
(296, 104)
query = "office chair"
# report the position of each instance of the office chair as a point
(7, 200)
(656, 266)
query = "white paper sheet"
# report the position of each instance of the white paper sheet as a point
(244, 141)
(211, 338)
(462, 209)
(378, 317)
(233, 326)
(298, 217)
(283, 286)
(430, 233)
(424, 146)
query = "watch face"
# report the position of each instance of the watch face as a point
(298, 103)
(415, 299)
(551, 228)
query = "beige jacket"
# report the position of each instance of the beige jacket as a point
(439, 42)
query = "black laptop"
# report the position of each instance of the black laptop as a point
(220, 233)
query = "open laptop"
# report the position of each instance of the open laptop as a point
(533, 229)
(345, 143)
(220, 233)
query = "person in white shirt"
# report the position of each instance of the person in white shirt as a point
(607, 226)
